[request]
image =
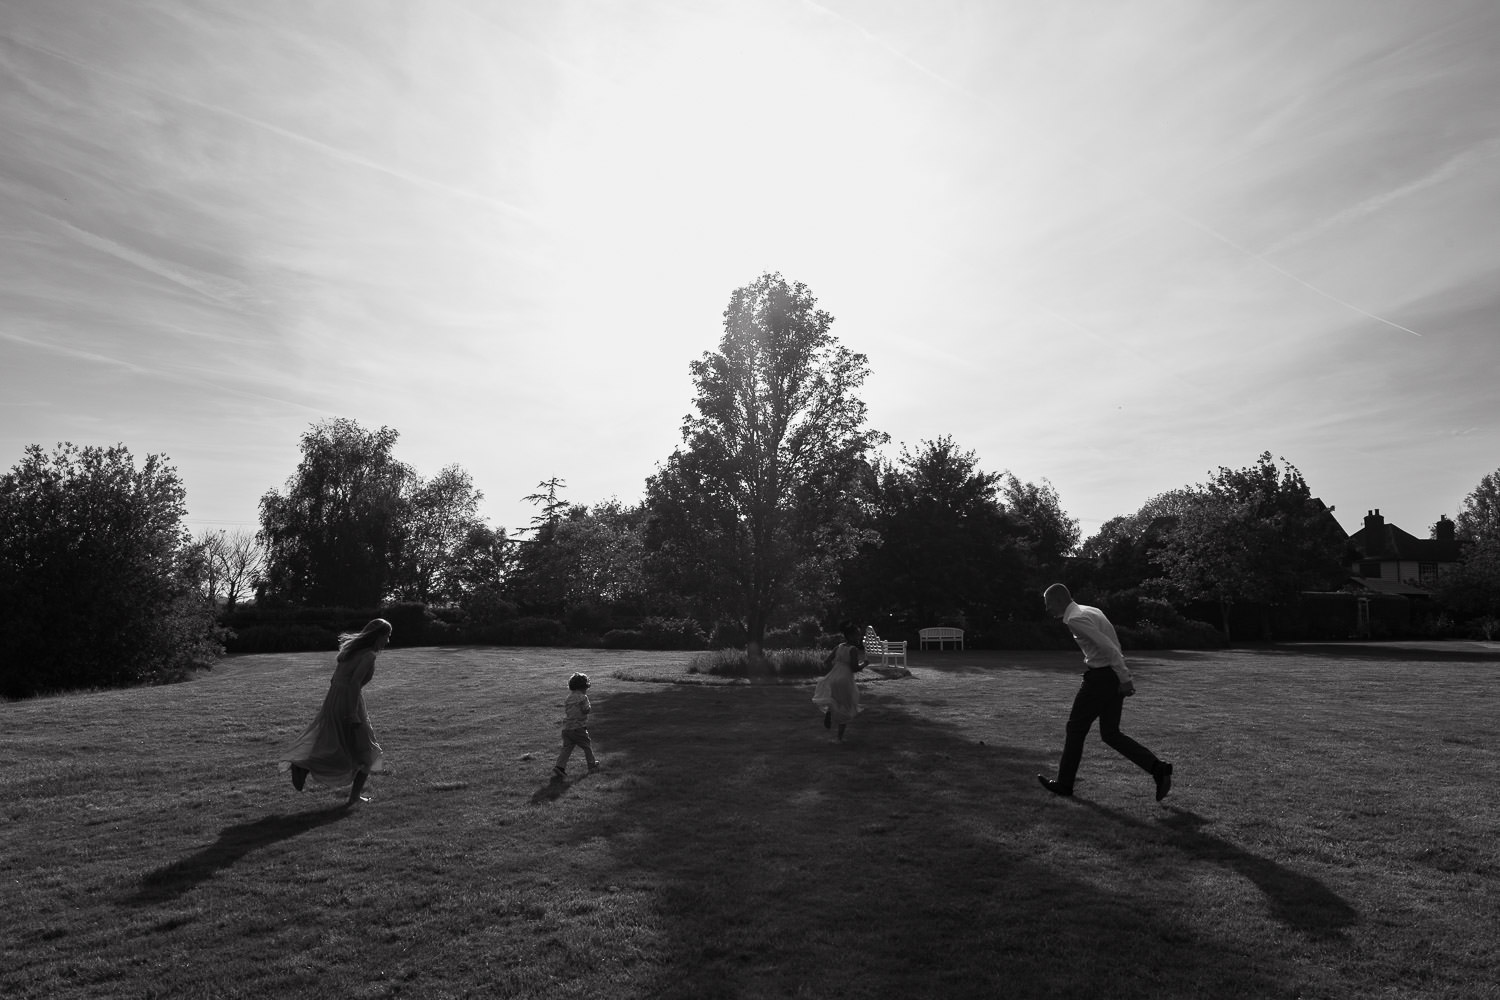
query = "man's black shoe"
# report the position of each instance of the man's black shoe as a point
(1163, 780)
(1051, 785)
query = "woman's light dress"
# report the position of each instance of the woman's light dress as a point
(837, 692)
(340, 740)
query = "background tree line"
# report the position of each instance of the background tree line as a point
(776, 516)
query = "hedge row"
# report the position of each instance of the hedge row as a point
(283, 630)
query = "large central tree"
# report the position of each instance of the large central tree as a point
(754, 512)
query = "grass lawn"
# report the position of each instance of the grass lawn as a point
(1333, 831)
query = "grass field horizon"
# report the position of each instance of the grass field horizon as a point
(1332, 832)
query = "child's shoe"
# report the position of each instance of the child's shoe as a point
(594, 768)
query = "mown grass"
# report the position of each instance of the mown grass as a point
(1332, 833)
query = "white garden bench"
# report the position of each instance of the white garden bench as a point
(941, 635)
(892, 653)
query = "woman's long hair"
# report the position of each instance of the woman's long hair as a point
(353, 642)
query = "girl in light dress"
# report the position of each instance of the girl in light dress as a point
(836, 694)
(339, 746)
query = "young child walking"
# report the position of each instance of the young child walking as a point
(836, 694)
(575, 732)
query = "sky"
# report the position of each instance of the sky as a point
(1113, 244)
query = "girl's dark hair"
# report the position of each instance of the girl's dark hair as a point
(578, 682)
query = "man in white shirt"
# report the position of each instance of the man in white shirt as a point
(1106, 685)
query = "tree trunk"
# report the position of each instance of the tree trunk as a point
(755, 632)
(1224, 612)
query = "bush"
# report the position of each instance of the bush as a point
(787, 663)
(587, 618)
(1188, 635)
(624, 638)
(342, 619)
(485, 607)
(803, 633)
(673, 633)
(780, 638)
(411, 623)
(528, 632)
(728, 635)
(1440, 627)
(282, 639)
(657, 633)
(98, 579)
(1021, 635)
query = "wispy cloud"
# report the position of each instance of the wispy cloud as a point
(222, 290)
(340, 155)
(1143, 242)
(198, 376)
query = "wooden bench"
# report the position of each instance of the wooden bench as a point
(942, 636)
(892, 653)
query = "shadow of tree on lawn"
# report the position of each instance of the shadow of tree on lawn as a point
(234, 843)
(910, 861)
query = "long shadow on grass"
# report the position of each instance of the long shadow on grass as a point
(1297, 900)
(910, 861)
(550, 792)
(233, 844)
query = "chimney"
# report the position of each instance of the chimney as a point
(1374, 533)
(1443, 530)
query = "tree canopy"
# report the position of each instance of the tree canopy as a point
(1255, 534)
(99, 580)
(440, 514)
(761, 503)
(942, 545)
(1050, 534)
(579, 557)
(356, 527)
(1479, 517)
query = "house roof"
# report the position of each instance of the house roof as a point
(1396, 587)
(1386, 541)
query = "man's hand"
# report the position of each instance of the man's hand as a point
(1127, 688)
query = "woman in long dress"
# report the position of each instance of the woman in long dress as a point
(339, 746)
(836, 694)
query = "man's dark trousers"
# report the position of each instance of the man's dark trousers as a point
(1099, 698)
